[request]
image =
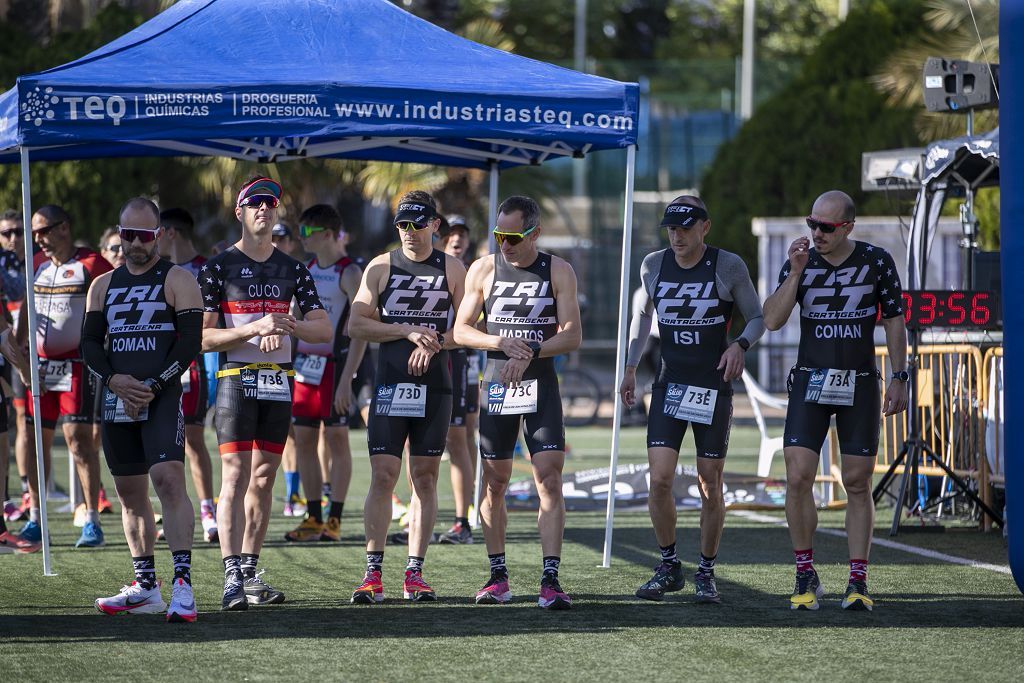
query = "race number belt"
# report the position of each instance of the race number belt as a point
(309, 368)
(831, 387)
(262, 381)
(56, 374)
(512, 400)
(113, 409)
(690, 403)
(402, 400)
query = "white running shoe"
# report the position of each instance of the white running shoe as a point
(183, 603)
(133, 599)
(208, 518)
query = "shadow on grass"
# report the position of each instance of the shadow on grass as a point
(743, 608)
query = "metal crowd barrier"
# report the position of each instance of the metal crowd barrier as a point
(952, 383)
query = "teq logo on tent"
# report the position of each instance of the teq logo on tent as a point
(39, 106)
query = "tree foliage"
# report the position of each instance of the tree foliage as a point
(809, 137)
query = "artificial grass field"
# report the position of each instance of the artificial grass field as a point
(933, 620)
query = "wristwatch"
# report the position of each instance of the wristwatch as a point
(901, 376)
(154, 385)
(744, 344)
(536, 348)
(440, 339)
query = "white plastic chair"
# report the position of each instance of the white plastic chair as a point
(769, 444)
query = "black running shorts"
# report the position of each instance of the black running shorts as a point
(132, 448)
(858, 425)
(544, 430)
(427, 435)
(246, 424)
(665, 431)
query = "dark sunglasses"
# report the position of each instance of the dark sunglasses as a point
(45, 230)
(255, 201)
(513, 238)
(10, 233)
(114, 248)
(825, 226)
(143, 235)
(409, 226)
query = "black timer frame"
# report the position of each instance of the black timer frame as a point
(915, 449)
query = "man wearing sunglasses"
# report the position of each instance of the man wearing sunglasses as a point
(63, 274)
(143, 328)
(247, 294)
(324, 371)
(532, 315)
(693, 288)
(840, 285)
(175, 245)
(406, 303)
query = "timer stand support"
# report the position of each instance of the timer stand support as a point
(915, 449)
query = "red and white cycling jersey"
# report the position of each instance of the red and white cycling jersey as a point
(60, 295)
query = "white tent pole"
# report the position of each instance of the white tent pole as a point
(492, 212)
(30, 302)
(620, 351)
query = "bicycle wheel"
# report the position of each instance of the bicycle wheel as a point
(581, 397)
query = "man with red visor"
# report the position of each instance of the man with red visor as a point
(247, 293)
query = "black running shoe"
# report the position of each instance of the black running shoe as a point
(399, 538)
(257, 592)
(706, 588)
(457, 535)
(857, 597)
(668, 578)
(234, 595)
(807, 591)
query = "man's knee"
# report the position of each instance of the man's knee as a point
(857, 483)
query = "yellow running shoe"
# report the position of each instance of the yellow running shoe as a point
(309, 530)
(857, 597)
(332, 530)
(808, 590)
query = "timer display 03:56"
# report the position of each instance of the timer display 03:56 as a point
(951, 308)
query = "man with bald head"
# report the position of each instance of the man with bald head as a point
(840, 284)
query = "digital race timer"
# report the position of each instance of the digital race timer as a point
(951, 308)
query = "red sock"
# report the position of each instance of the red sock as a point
(804, 560)
(858, 570)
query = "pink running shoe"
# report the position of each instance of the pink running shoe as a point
(494, 592)
(416, 589)
(552, 596)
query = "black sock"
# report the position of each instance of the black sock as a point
(706, 564)
(336, 507)
(374, 561)
(249, 561)
(497, 561)
(551, 563)
(668, 553)
(315, 510)
(3, 524)
(182, 565)
(415, 564)
(145, 571)
(463, 522)
(233, 565)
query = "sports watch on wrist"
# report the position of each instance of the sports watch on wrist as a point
(536, 348)
(901, 376)
(744, 344)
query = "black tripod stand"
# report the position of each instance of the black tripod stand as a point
(914, 450)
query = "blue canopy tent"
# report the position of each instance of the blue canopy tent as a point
(281, 80)
(1011, 27)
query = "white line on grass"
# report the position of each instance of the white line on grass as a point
(923, 552)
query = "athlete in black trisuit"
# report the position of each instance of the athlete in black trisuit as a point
(692, 288)
(149, 313)
(247, 293)
(841, 285)
(532, 315)
(406, 302)
(175, 245)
